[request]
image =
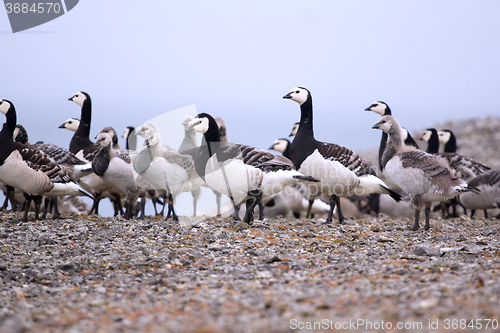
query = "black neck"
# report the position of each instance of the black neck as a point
(383, 143)
(81, 139)
(433, 144)
(306, 118)
(451, 145)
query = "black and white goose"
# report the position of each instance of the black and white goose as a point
(80, 143)
(341, 171)
(430, 136)
(448, 139)
(115, 169)
(239, 171)
(130, 138)
(425, 177)
(30, 169)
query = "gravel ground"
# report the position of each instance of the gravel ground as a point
(93, 274)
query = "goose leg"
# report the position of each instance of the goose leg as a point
(339, 211)
(485, 214)
(416, 226)
(236, 215)
(38, 201)
(333, 202)
(472, 212)
(218, 198)
(27, 204)
(309, 207)
(56, 214)
(9, 195)
(95, 205)
(427, 217)
(45, 208)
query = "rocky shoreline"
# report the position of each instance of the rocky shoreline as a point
(93, 274)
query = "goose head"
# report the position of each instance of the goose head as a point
(71, 124)
(5, 106)
(379, 107)
(298, 94)
(127, 131)
(426, 136)
(444, 136)
(295, 129)
(79, 98)
(150, 134)
(386, 124)
(20, 134)
(104, 139)
(186, 121)
(200, 123)
(280, 145)
(111, 131)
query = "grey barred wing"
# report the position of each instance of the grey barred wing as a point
(39, 161)
(346, 157)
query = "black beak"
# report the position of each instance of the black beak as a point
(71, 98)
(194, 124)
(368, 108)
(62, 126)
(375, 126)
(271, 148)
(287, 96)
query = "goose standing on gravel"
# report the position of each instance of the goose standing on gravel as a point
(76, 167)
(115, 169)
(241, 172)
(29, 169)
(425, 177)
(83, 148)
(164, 168)
(341, 171)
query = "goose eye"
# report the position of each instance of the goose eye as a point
(297, 92)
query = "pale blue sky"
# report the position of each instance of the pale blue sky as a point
(429, 60)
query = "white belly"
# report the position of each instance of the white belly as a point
(335, 179)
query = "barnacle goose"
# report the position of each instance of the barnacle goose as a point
(164, 168)
(383, 109)
(30, 169)
(448, 139)
(430, 136)
(425, 177)
(341, 171)
(76, 167)
(82, 147)
(239, 171)
(130, 138)
(115, 169)
(488, 184)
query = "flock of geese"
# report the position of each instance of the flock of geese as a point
(309, 176)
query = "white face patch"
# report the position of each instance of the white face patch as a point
(4, 106)
(444, 137)
(295, 129)
(378, 107)
(200, 125)
(280, 145)
(298, 95)
(79, 98)
(104, 139)
(72, 124)
(126, 132)
(426, 136)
